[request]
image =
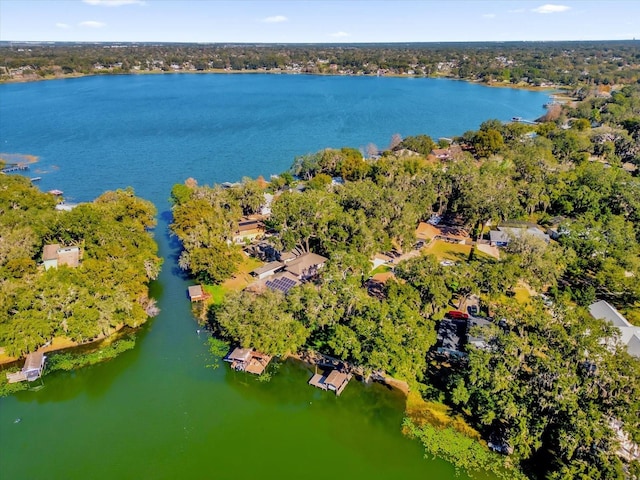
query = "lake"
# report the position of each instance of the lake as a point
(161, 410)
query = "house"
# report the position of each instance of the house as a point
(629, 334)
(265, 209)
(306, 265)
(286, 257)
(54, 255)
(426, 231)
(196, 293)
(449, 233)
(282, 282)
(248, 230)
(267, 269)
(449, 153)
(450, 337)
(503, 235)
(335, 380)
(454, 334)
(32, 369)
(248, 360)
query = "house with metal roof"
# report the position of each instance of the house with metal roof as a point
(629, 334)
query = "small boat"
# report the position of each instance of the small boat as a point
(516, 119)
(56, 192)
(36, 179)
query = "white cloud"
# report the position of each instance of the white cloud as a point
(275, 19)
(339, 34)
(62, 25)
(114, 3)
(550, 8)
(489, 15)
(92, 24)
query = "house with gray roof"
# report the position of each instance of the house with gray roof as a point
(629, 334)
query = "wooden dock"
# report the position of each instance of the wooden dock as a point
(32, 370)
(335, 381)
(247, 360)
(15, 168)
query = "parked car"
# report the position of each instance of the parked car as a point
(457, 314)
(473, 310)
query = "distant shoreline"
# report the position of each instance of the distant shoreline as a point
(222, 71)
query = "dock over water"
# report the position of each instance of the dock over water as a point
(15, 168)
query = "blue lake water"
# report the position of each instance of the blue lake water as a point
(158, 411)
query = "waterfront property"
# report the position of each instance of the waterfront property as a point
(267, 269)
(54, 255)
(32, 369)
(335, 380)
(449, 233)
(306, 265)
(248, 360)
(249, 229)
(503, 235)
(196, 293)
(629, 334)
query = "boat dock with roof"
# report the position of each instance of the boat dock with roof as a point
(32, 370)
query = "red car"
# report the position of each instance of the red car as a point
(457, 314)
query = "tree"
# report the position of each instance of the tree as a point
(260, 322)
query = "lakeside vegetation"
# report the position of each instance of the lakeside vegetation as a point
(105, 291)
(547, 385)
(508, 63)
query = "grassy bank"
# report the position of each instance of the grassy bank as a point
(71, 360)
(451, 438)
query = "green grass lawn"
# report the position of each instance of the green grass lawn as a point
(448, 251)
(238, 282)
(217, 293)
(380, 269)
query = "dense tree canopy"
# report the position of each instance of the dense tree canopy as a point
(549, 382)
(108, 289)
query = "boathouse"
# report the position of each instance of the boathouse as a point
(32, 369)
(248, 360)
(336, 381)
(196, 293)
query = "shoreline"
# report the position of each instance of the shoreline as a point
(222, 71)
(313, 358)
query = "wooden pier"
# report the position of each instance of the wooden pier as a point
(335, 381)
(15, 168)
(247, 360)
(32, 370)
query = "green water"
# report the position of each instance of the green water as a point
(159, 411)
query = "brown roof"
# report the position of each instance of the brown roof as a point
(69, 256)
(336, 378)
(247, 225)
(304, 262)
(287, 256)
(195, 291)
(240, 354)
(268, 267)
(426, 231)
(50, 252)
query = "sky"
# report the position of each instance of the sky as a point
(317, 21)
